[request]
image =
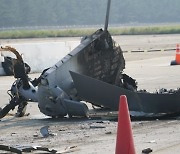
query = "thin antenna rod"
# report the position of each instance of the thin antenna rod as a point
(107, 15)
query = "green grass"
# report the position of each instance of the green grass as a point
(14, 34)
(143, 30)
(147, 30)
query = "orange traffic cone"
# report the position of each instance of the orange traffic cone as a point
(177, 54)
(177, 58)
(124, 141)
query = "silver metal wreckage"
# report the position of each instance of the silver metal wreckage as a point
(92, 72)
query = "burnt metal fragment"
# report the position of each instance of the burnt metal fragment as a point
(8, 66)
(19, 149)
(10, 149)
(147, 151)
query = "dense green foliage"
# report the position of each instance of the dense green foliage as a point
(19, 13)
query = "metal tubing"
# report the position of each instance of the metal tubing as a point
(107, 15)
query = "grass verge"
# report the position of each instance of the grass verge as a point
(138, 30)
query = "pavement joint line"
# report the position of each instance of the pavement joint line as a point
(152, 50)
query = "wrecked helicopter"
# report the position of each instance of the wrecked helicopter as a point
(92, 72)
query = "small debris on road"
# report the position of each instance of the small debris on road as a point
(94, 127)
(108, 133)
(45, 132)
(147, 151)
(152, 141)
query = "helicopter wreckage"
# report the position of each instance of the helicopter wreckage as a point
(92, 72)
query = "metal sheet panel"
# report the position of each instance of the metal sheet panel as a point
(101, 93)
(104, 94)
